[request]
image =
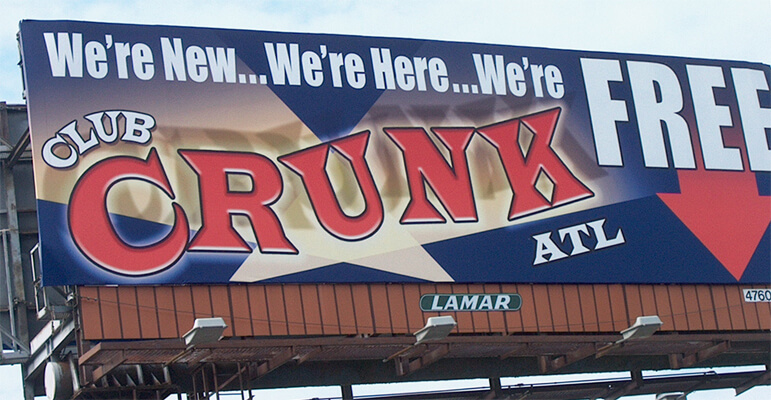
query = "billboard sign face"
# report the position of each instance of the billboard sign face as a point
(191, 155)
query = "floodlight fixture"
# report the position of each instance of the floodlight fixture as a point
(437, 328)
(642, 328)
(205, 330)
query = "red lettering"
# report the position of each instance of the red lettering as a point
(95, 235)
(537, 176)
(311, 164)
(524, 167)
(425, 164)
(219, 203)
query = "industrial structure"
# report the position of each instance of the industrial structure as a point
(557, 287)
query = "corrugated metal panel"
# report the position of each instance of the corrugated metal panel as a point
(152, 312)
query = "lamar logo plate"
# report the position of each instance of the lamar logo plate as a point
(471, 302)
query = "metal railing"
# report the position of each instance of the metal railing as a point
(14, 350)
(45, 308)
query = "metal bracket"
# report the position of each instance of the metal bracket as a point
(405, 365)
(677, 361)
(762, 379)
(549, 364)
(636, 382)
(279, 359)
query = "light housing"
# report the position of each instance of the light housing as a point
(642, 328)
(436, 328)
(205, 330)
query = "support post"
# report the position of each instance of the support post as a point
(347, 392)
(496, 390)
(19, 306)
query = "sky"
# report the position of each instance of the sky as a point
(732, 30)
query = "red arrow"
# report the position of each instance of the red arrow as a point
(725, 212)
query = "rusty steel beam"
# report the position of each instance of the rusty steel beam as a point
(114, 362)
(764, 379)
(678, 361)
(406, 366)
(707, 338)
(283, 357)
(550, 364)
(636, 382)
(516, 351)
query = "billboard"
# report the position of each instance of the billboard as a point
(191, 155)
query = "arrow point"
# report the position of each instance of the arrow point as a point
(724, 211)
